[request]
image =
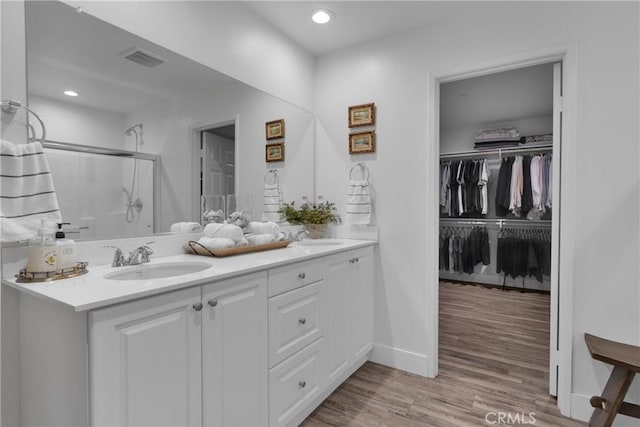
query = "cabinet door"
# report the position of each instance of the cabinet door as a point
(234, 348)
(146, 362)
(338, 282)
(361, 299)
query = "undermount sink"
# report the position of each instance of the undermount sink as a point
(157, 271)
(319, 242)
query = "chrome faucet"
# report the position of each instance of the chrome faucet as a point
(139, 255)
(299, 235)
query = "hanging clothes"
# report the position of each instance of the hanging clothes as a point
(463, 188)
(461, 250)
(524, 187)
(524, 253)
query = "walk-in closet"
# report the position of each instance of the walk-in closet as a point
(499, 144)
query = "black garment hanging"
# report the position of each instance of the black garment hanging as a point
(524, 253)
(503, 190)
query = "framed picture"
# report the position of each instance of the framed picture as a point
(362, 115)
(275, 129)
(363, 142)
(274, 152)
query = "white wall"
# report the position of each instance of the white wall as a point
(225, 36)
(80, 124)
(13, 85)
(168, 130)
(394, 74)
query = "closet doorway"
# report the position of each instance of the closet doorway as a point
(499, 215)
(217, 166)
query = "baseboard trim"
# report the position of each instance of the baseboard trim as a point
(400, 359)
(581, 410)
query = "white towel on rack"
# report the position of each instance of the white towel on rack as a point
(358, 210)
(27, 194)
(272, 203)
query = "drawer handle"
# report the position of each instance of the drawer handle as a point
(302, 320)
(301, 276)
(302, 384)
(356, 259)
(213, 302)
(197, 306)
(352, 260)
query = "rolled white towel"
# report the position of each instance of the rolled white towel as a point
(268, 227)
(243, 242)
(229, 231)
(185, 227)
(260, 239)
(216, 242)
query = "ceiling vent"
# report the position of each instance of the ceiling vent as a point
(143, 57)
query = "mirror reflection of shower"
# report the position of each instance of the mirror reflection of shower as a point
(137, 203)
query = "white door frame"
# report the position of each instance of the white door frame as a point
(195, 130)
(567, 54)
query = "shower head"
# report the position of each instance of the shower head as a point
(133, 129)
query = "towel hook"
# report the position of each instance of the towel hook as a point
(10, 107)
(273, 172)
(362, 167)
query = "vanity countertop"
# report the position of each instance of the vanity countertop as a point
(93, 290)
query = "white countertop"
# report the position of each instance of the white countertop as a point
(92, 290)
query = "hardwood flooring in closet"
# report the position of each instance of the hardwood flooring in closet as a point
(493, 358)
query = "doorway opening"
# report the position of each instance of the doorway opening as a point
(499, 246)
(217, 161)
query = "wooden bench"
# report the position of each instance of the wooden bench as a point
(625, 359)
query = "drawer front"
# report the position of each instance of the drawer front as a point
(295, 321)
(295, 383)
(284, 279)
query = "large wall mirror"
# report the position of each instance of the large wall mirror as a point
(134, 96)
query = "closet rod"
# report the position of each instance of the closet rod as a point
(495, 222)
(499, 151)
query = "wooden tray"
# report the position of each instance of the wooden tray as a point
(198, 249)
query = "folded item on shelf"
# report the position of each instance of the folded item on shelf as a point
(185, 227)
(229, 231)
(497, 134)
(537, 139)
(216, 242)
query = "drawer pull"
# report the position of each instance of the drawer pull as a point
(302, 384)
(213, 302)
(197, 306)
(301, 276)
(302, 320)
(356, 259)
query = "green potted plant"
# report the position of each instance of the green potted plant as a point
(314, 216)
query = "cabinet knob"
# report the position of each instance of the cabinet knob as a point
(302, 320)
(213, 302)
(301, 276)
(356, 259)
(197, 306)
(352, 260)
(302, 384)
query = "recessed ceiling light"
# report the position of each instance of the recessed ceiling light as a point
(70, 93)
(321, 16)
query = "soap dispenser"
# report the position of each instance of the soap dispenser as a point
(66, 249)
(42, 256)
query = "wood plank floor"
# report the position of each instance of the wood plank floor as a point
(493, 358)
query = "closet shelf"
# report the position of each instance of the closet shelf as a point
(497, 152)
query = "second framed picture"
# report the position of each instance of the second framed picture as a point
(274, 152)
(362, 115)
(363, 142)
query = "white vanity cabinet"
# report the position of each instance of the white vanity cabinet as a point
(187, 358)
(349, 282)
(259, 348)
(146, 364)
(234, 353)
